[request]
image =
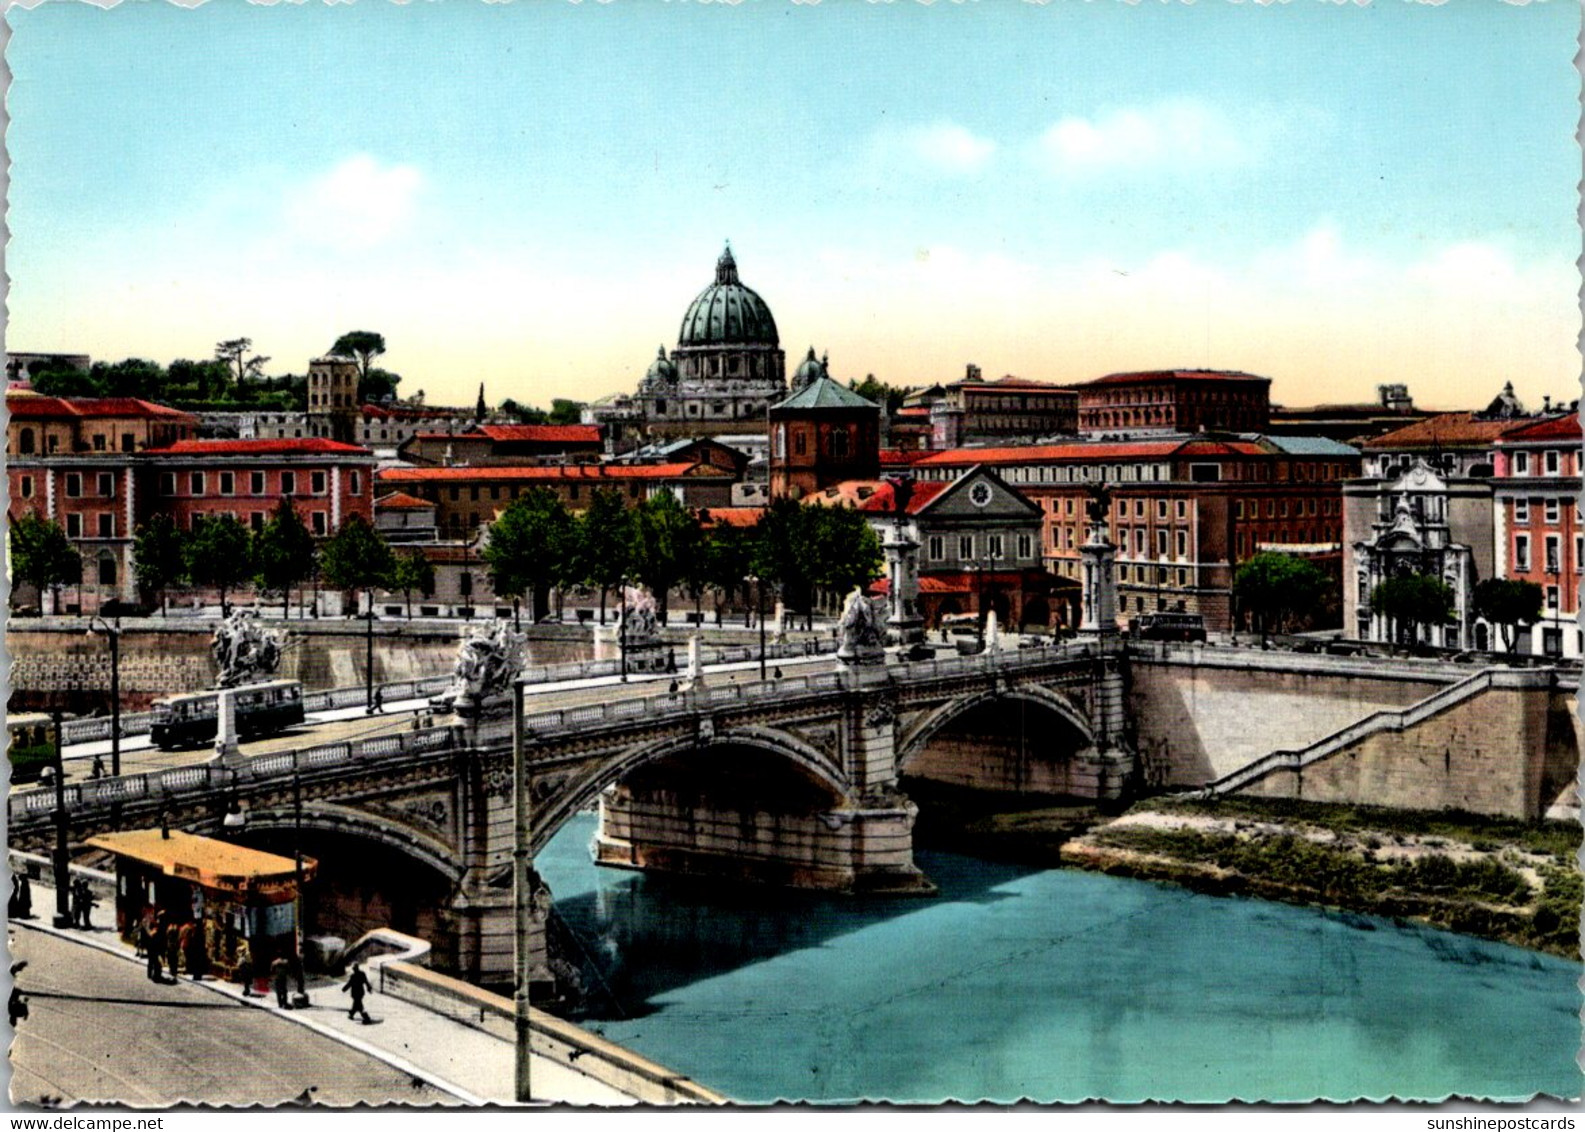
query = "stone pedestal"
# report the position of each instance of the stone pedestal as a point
(695, 678)
(904, 625)
(1099, 565)
(226, 748)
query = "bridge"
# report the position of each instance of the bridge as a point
(793, 779)
(796, 779)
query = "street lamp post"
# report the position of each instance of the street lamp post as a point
(368, 653)
(621, 631)
(759, 606)
(113, 632)
(63, 913)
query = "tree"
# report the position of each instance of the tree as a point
(379, 385)
(234, 353)
(603, 543)
(889, 397)
(159, 555)
(67, 381)
(219, 553)
(365, 345)
(1276, 587)
(530, 549)
(283, 553)
(665, 538)
(1413, 600)
(130, 377)
(42, 555)
(726, 557)
(413, 571)
(565, 412)
(356, 558)
(187, 380)
(783, 553)
(523, 414)
(1508, 603)
(847, 552)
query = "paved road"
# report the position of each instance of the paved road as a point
(345, 724)
(112, 1035)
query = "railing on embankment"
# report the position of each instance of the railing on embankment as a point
(1396, 721)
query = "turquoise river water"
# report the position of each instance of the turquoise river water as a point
(1053, 985)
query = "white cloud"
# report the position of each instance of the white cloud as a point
(358, 205)
(1176, 132)
(941, 147)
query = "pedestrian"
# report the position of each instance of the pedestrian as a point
(281, 976)
(671, 660)
(673, 690)
(150, 937)
(245, 968)
(377, 702)
(173, 947)
(14, 905)
(16, 1006)
(777, 673)
(25, 898)
(357, 986)
(197, 953)
(82, 904)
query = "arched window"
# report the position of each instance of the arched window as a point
(107, 571)
(25, 442)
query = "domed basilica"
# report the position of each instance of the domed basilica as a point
(726, 370)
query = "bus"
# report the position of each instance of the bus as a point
(191, 720)
(30, 745)
(1172, 627)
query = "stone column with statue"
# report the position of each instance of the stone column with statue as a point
(904, 624)
(1098, 557)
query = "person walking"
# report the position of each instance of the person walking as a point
(245, 968)
(82, 904)
(24, 898)
(281, 976)
(173, 947)
(357, 986)
(149, 937)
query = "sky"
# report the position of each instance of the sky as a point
(529, 195)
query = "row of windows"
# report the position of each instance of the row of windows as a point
(27, 442)
(1153, 575)
(257, 482)
(994, 546)
(572, 491)
(1552, 547)
(104, 484)
(1278, 508)
(1551, 510)
(102, 526)
(1550, 463)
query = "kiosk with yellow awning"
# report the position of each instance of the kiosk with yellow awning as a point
(229, 891)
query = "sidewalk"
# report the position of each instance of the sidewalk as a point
(470, 1065)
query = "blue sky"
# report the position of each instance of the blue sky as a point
(529, 194)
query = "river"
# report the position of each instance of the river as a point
(1052, 985)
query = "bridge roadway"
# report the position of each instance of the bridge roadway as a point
(352, 724)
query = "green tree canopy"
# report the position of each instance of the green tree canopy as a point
(1413, 600)
(888, 397)
(604, 541)
(1278, 587)
(159, 554)
(357, 558)
(219, 553)
(413, 571)
(846, 548)
(726, 558)
(1508, 603)
(665, 539)
(283, 553)
(42, 555)
(564, 412)
(234, 352)
(531, 549)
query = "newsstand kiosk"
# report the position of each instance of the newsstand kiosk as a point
(228, 892)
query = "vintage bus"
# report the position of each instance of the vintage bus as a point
(191, 720)
(30, 745)
(1172, 627)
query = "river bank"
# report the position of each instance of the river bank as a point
(1510, 881)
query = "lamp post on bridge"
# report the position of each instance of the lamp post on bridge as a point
(62, 858)
(98, 624)
(522, 897)
(759, 601)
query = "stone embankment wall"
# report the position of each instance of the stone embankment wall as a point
(1506, 751)
(1197, 718)
(60, 664)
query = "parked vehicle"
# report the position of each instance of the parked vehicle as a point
(262, 709)
(30, 745)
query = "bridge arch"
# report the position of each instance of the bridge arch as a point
(919, 735)
(568, 798)
(345, 821)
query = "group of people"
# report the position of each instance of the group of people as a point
(169, 942)
(20, 906)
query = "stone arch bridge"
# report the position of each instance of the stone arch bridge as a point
(792, 780)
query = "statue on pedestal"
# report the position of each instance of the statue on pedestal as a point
(859, 631)
(638, 631)
(488, 660)
(244, 650)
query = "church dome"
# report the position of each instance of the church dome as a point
(727, 313)
(661, 369)
(811, 369)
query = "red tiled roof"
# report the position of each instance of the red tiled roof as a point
(967, 582)
(302, 446)
(913, 411)
(401, 501)
(1446, 430)
(884, 500)
(1566, 427)
(591, 472)
(543, 434)
(1149, 376)
(1011, 382)
(896, 457)
(1055, 453)
(733, 516)
(35, 406)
